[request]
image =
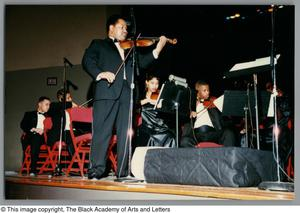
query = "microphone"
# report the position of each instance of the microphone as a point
(180, 83)
(176, 78)
(68, 62)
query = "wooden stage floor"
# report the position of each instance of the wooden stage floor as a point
(16, 184)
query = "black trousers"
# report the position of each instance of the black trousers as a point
(225, 136)
(68, 139)
(35, 141)
(285, 143)
(54, 136)
(106, 113)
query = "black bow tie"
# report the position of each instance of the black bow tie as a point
(115, 40)
(41, 113)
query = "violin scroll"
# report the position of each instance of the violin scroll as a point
(172, 41)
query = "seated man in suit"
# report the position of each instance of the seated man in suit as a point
(209, 125)
(33, 126)
(56, 112)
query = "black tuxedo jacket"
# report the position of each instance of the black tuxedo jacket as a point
(29, 121)
(103, 55)
(216, 118)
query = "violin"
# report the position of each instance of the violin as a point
(154, 95)
(143, 42)
(209, 103)
(140, 42)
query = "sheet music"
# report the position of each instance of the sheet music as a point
(258, 62)
(271, 106)
(219, 102)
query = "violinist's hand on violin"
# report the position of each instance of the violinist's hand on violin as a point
(193, 114)
(151, 101)
(148, 100)
(160, 45)
(109, 76)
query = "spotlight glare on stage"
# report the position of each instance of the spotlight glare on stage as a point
(130, 132)
(237, 15)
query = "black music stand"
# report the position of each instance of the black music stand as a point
(252, 68)
(239, 103)
(174, 99)
(236, 100)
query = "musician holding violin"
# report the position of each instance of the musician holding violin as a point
(152, 91)
(111, 68)
(154, 130)
(209, 125)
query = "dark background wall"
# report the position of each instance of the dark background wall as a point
(40, 36)
(36, 40)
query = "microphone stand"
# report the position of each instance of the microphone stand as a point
(275, 185)
(58, 171)
(256, 109)
(135, 68)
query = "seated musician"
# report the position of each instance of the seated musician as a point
(284, 115)
(154, 130)
(33, 126)
(209, 125)
(56, 112)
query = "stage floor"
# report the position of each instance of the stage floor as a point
(26, 187)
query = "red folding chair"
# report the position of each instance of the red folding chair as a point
(53, 157)
(111, 153)
(44, 154)
(82, 142)
(290, 165)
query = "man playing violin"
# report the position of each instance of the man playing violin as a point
(102, 60)
(209, 125)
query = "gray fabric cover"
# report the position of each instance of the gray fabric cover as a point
(225, 166)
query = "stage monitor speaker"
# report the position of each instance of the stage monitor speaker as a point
(224, 166)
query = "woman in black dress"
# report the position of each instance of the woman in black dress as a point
(154, 130)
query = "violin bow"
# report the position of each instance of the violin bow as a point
(123, 62)
(205, 107)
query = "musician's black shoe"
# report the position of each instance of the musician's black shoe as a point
(94, 174)
(57, 171)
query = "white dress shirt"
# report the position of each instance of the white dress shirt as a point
(40, 121)
(67, 126)
(202, 117)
